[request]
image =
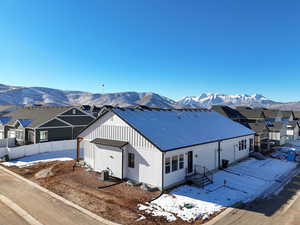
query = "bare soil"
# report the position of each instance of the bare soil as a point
(113, 199)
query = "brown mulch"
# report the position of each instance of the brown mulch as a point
(113, 199)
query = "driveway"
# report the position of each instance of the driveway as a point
(8, 216)
(283, 209)
(41, 206)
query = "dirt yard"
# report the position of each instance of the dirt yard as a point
(113, 200)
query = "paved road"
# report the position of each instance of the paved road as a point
(9, 217)
(39, 205)
(274, 211)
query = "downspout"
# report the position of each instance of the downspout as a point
(219, 154)
(162, 170)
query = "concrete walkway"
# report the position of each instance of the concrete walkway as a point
(283, 209)
(40, 205)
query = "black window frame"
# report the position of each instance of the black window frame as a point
(131, 160)
(175, 160)
(181, 161)
(167, 165)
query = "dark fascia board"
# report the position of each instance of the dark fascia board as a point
(111, 110)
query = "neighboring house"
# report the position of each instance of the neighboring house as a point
(292, 130)
(272, 115)
(297, 115)
(161, 147)
(40, 124)
(246, 118)
(251, 114)
(261, 140)
(229, 113)
(278, 133)
(287, 116)
(7, 108)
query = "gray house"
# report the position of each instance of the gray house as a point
(30, 125)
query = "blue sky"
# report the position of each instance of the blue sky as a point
(171, 47)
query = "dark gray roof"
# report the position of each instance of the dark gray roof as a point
(286, 114)
(297, 114)
(36, 115)
(276, 126)
(109, 142)
(228, 112)
(258, 127)
(271, 113)
(251, 113)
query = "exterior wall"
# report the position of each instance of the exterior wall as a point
(148, 159)
(230, 149)
(55, 134)
(108, 158)
(205, 155)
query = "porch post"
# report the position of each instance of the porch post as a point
(79, 139)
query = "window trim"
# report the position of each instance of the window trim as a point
(44, 132)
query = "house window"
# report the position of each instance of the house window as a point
(44, 135)
(11, 134)
(1, 134)
(174, 163)
(19, 135)
(181, 161)
(73, 111)
(242, 144)
(251, 144)
(167, 165)
(130, 160)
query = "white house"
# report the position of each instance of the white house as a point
(160, 147)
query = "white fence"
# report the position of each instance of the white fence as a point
(34, 149)
(7, 142)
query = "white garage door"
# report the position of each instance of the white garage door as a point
(108, 158)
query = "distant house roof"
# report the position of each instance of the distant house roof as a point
(271, 113)
(293, 123)
(35, 116)
(250, 113)
(109, 142)
(287, 114)
(4, 120)
(228, 112)
(297, 114)
(258, 127)
(276, 126)
(172, 129)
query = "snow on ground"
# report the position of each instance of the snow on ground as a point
(244, 182)
(44, 157)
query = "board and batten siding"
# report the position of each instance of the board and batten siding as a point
(148, 159)
(206, 155)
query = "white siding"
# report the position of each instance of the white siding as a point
(206, 155)
(110, 126)
(230, 149)
(148, 159)
(108, 158)
(203, 155)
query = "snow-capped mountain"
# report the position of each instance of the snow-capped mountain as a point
(41, 95)
(208, 99)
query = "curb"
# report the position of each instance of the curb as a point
(18, 210)
(67, 202)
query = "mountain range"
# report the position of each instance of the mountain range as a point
(41, 95)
